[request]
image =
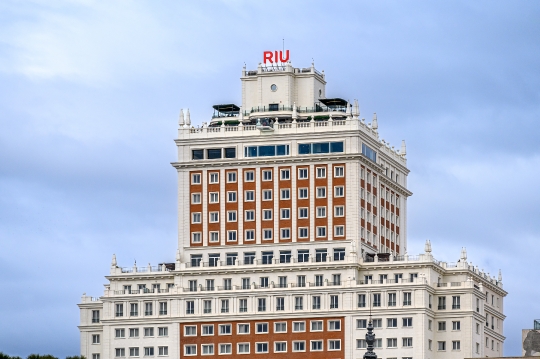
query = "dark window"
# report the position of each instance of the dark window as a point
(213, 153)
(281, 150)
(267, 151)
(198, 154)
(322, 147)
(267, 257)
(336, 146)
(230, 153)
(251, 151)
(320, 255)
(303, 255)
(369, 153)
(304, 149)
(273, 107)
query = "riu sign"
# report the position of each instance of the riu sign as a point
(275, 57)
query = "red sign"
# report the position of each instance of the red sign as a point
(272, 57)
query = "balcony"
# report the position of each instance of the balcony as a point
(94, 320)
(456, 306)
(133, 314)
(148, 312)
(441, 307)
(162, 312)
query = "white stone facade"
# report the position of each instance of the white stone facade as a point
(291, 211)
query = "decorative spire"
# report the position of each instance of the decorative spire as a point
(241, 115)
(349, 109)
(463, 257)
(427, 248)
(356, 110)
(370, 340)
(403, 151)
(374, 123)
(113, 262)
(294, 112)
(188, 119)
(500, 276)
(178, 255)
(181, 120)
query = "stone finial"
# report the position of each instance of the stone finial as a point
(403, 150)
(426, 247)
(181, 120)
(294, 112)
(178, 255)
(241, 115)
(188, 119)
(500, 276)
(356, 110)
(113, 262)
(463, 257)
(349, 109)
(374, 123)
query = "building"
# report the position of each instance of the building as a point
(292, 217)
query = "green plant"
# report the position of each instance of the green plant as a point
(5, 356)
(37, 356)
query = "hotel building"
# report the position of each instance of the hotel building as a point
(292, 229)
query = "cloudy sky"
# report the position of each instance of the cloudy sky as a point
(90, 93)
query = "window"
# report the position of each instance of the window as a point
(407, 342)
(267, 175)
(231, 177)
(442, 303)
(197, 155)
(321, 212)
(456, 302)
(299, 346)
(190, 349)
(285, 194)
(162, 308)
(280, 347)
(95, 339)
(231, 258)
(441, 346)
(250, 236)
(262, 347)
(224, 306)
(391, 322)
(231, 196)
(190, 307)
(261, 328)
(298, 303)
(456, 325)
(361, 344)
(280, 327)
(120, 352)
(456, 345)
(190, 330)
(339, 211)
(196, 217)
(196, 178)
(361, 300)
(267, 215)
(214, 217)
(339, 191)
(377, 323)
(148, 351)
(225, 329)
(261, 305)
(334, 345)
(285, 174)
(334, 325)
(369, 153)
(231, 216)
(214, 177)
(231, 235)
(477, 348)
(302, 173)
(243, 348)
(119, 310)
(249, 258)
(250, 196)
(339, 171)
(391, 343)
(442, 326)
(267, 195)
(362, 323)
(207, 349)
(263, 282)
(207, 329)
(377, 299)
(225, 349)
(477, 328)
(196, 237)
(321, 192)
(302, 232)
(316, 302)
(391, 299)
(321, 172)
(250, 176)
(285, 213)
(149, 332)
(407, 298)
(316, 325)
(134, 352)
(334, 304)
(242, 307)
(265, 151)
(316, 345)
(213, 153)
(299, 326)
(320, 147)
(339, 231)
(196, 198)
(407, 322)
(302, 213)
(321, 231)
(302, 193)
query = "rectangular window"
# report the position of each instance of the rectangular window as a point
(120, 352)
(261, 328)
(231, 216)
(339, 211)
(207, 304)
(361, 344)
(148, 351)
(196, 217)
(285, 175)
(119, 310)
(250, 176)
(280, 327)
(286, 194)
(261, 305)
(369, 153)
(196, 178)
(208, 329)
(321, 231)
(302, 193)
(213, 153)
(407, 298)
(316, 302)
(197, 155)
(442, 326)
(321, 192)
(285, 213)
(267, 214)
(456, 302)
(196, 198)
(231, 196)
(214, 177)
(207, 349)
(267, 195)
(285, 233)
(95, 339)
(321, 172)
(261, 347)
(267, 175)
(407, 322)
(243, 348)
(162, 308)
(280, 347)
(456, 345)
(225, 349)
(162, 331)
(249, 258)
(230, 153)
(442, 303)
(377, 299)
(362, 323)
(407, 342)
(391, 343)
(299, 346)
(339, 172)
(334, 325)
(299, 327)
(441, 346)
(214, 237)
(302, 173)
(250, 236)
(320, 255)
(456, 325)
(134, 352)
(334, 344)
(339, 191)
(316, 345)
(231, 177)
(224, 306)
(190, 349)
(134, 332)
(242, 307)
(280, 303)
(250, 215)
(231, 235)
(391, 299)
(334, 303)
(391, 322)
(302, 232)
(225, 329)
(267, 235)
(321, 212)
(196, 237)
(302, 212)
(149, 332)
(250, 196)
(298, 303)
(361, 300)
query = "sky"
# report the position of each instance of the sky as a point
(90, 93)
